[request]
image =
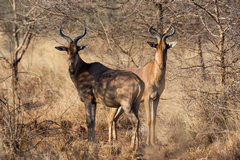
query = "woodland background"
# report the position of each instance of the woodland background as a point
(41, 116)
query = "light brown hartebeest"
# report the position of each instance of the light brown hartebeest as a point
(97, 83)
(153, 75)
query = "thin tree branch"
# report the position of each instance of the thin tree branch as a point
(208, 12)
(23, 41)
(125, 52)
(25, 48)
(204, 24)
(105, 32)
(4, 58)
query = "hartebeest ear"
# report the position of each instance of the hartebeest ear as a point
(151, 44)
(172, 44)
(61, 48)
(82, 47)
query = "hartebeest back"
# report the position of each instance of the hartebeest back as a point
(95, 82)
(153, 75)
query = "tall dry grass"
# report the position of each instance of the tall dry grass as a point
(54, 124)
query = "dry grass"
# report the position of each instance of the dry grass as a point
(55, 127)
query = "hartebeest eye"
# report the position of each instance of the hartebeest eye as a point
(61, 48)
(151, 44)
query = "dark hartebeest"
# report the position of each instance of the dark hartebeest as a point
(153, 75)
(97, 83)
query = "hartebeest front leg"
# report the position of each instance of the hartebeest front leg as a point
(113, 116)
(110, 123)
(118, 113)
(90, 119)
(148, 114)
(153, 117)
(93, 120)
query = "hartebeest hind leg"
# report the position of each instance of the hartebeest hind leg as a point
(131, 110)
(132, 114)
(135, 123)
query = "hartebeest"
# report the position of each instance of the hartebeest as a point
(153, 75)
(97, 83)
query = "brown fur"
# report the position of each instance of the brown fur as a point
(153, 75)
(97, 83)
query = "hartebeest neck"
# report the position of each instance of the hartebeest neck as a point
(159, 67)
(159, 73)
(79, 65)
(159, 63)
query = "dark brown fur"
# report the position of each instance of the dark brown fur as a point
(97, 83)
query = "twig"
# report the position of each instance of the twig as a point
(4, 58)
(8, 122)
(3, 114)
(105, 32)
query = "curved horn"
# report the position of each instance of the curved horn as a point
(64, 36)
(79, 37)
(154, 34)
(169, 34)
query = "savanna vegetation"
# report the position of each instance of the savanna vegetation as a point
(42, 117)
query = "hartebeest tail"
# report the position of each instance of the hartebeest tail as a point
(97, 83)
(153, 75)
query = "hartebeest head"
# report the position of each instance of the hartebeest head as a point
(162, 47)
(72, 49)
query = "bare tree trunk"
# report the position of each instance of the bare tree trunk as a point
(159, 17)
(17, 54)
(16, 44)
(222, 55)
(221, 44)
(14, 59)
